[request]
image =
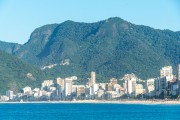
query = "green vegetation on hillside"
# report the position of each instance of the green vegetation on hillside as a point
(9, 47)
(15, 74)
(111, 48)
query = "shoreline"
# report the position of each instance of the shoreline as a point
(140, 102)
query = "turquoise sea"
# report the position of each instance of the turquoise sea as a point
(76, 111)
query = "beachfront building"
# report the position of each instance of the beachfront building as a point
(95, 88)
(178, 72)
(4, 98)
(36, 92)
(64, 87)
(92, 80)
(139, 90)
(116, 87)
(150, 87)
(92, 86)
(68, 87)
(109, 95)
(27, 90)
(178, 79)
(156, 85)
(103, 86)
(173, 88)
(100, 94)
(130, 84)
(161, 86)
(80, 91)
(46, 84)
(167, 72)
(109, 87)
(60, 88)
(87, 92)
(10, 94)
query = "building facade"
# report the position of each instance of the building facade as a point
(167, 72)
(150, 87)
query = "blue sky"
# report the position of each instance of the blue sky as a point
(18, 18)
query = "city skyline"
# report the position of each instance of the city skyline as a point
(130, 86)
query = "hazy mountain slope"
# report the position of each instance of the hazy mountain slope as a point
(15, 74)
(111, 47)
(36, 43)
(9, 47)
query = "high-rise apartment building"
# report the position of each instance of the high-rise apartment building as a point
(80, 90)
(167, 72)
(60, 87)
(150, 87)
(129, 87)
(163, 84)
(64, 86)
(9, 94)
(68, 86)
(179, 72)
(130, 83)
(178, 78)
(92, 80)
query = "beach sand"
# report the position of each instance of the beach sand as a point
(130, 101)
(105, 102)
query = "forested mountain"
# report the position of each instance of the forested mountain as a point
(9, 47)
(111, 48)
(15, 74)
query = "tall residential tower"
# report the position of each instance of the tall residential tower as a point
(179, 72)
(167, 72)
(92, 80)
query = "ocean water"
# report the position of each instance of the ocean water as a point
(76, 111)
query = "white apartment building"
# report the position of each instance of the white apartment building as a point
(27, 90)
(167, 72)
(92, 80)
(10, 94)
(130, 83)
(150, 87)
(68, 87)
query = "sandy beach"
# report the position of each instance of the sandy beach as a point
(103, 102)
(130, 101)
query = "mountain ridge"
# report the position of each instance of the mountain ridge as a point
(111, 47)
(9, 47)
